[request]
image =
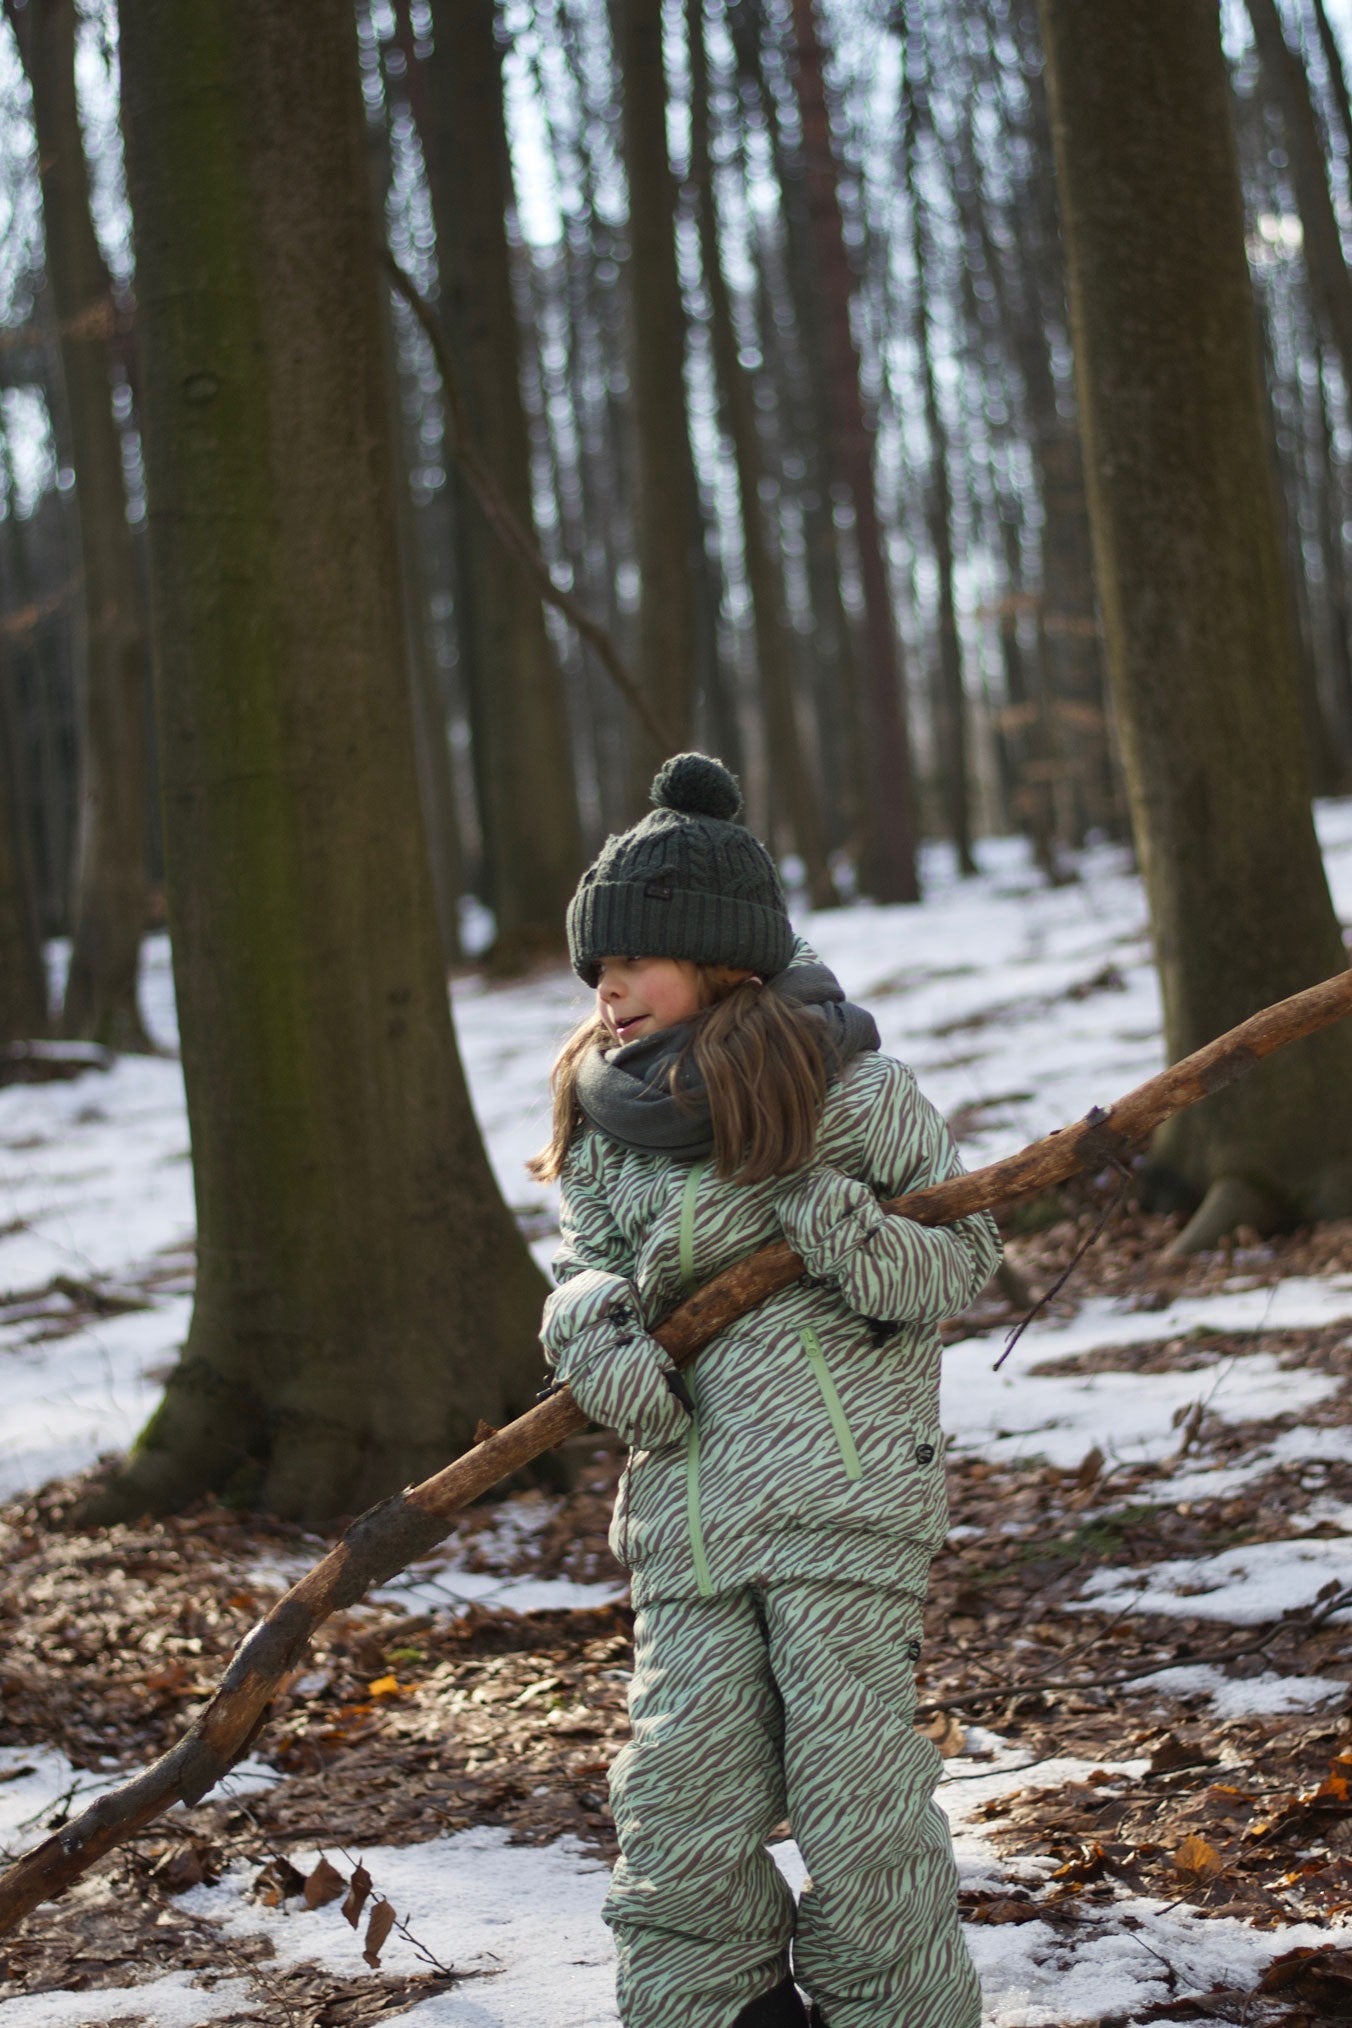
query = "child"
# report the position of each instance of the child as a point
(784, 1496)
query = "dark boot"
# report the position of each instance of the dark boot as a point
(780, 2009)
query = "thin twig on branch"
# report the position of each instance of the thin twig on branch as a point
(384, 1541)
(504, 522)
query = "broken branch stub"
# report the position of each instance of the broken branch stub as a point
(382, 1542)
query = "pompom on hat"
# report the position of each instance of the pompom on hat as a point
(687, 881)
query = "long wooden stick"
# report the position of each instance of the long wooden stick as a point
(385, 1540)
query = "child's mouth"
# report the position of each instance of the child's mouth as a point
(624, 1029)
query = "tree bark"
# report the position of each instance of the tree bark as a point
(522, 748)
(893, 872)
(1193, 586)
(793, 789)
(794, 347)
(1325, 262)
(666, 497)
(23, 985)
(381, 1543)
(1333, 63)
(950, 697)
(362, 1293)
(110, 902)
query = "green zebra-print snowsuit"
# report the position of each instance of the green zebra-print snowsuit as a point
(780, 1541)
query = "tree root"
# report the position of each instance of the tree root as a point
(1230, 1202)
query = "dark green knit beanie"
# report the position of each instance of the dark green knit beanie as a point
(688, 881)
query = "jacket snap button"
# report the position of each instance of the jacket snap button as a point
(923, 1453)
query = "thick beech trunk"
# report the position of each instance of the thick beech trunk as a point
(1194, 591)
(893, 872)
(110, 901)
(362, 1294)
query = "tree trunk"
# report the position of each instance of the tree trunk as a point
(950, 698)
(23, 986)
(1194, 592)
(793, 343)
(109, 906)
(1333, 63)
(362, 1294)
(1325, 264)
(894, 820)
(1338, 615)
(523, 765)
(669, 535)
(793, 790)
(431, 740)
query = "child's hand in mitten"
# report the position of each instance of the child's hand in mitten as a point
(826, 1217)
(618, 1373)
(882, 1265)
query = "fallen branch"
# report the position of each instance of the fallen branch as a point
(382, 1542)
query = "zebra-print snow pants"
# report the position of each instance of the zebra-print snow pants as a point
(797, 1698)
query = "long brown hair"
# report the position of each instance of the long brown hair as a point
(762, 1062)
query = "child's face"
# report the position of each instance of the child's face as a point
(637, 996)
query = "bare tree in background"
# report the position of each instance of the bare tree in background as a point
(110, 901)
(892, 874)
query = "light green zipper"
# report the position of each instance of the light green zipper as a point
(686, 1242)
(817, 1360)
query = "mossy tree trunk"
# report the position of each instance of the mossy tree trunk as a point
(523, 769)
(110, 902)
(362, 1293)
(1194, 594)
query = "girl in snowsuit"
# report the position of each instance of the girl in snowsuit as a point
(784, 1496)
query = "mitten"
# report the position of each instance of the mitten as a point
(883, 1266)
(618, 1373)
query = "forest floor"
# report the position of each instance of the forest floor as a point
(1138, 1657)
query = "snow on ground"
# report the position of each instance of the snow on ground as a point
(1021, 1008)
(1018, 1413)
(1242, 1587)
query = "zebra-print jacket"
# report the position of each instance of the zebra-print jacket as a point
(813, 1448)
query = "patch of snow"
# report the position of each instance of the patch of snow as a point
(1244, 1696)
(65, 1401)
(1246, 1586)
(1302, 1449)
(449, 1588)
(1060, 1416)
(175, 2001)
(1119, 1961)
(526, 1918)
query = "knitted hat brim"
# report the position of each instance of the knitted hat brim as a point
(614, 919)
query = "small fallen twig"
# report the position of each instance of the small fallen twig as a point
(1305, 1618)
(380, 1543)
